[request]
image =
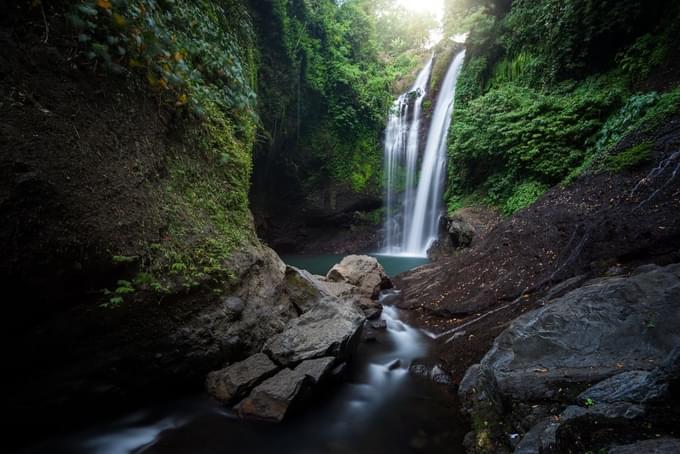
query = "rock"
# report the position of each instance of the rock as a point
(419, 370)
(657, 446)
(612, 411)
(371, 309)
(316, 369)
(396, 364)
(389, 297)
(565, 286)
(379, 324)
(362, 271)
(272, 399)
(618, 334)
(541, 438)
(439, 375)
(331, 328)
(634, 386)
(235, 381)
(461, 231)
(303, 290)
(588, 335)
(339, 370)
(234, 305)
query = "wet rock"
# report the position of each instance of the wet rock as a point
(235, 381)
(339, 370)
(396, 364)
(362, 271)
(541, 438)
(371, 309)
(331, 328)
(316, 369)
(272, 399)
(618, 334)
(657, 446)
(565, 286)
(588, 335)
(275, 396)
(634, 386)
(379, 324)
(419, 370)
(389, 297)
(439, 375)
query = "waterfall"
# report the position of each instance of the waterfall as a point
(401, 152)
(413, 210)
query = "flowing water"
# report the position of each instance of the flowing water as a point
(413, 209)
(379, 408)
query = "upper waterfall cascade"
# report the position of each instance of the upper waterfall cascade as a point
(413, 204)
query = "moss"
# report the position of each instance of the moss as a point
(206, 207)
(629, 158)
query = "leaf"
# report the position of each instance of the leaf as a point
(182, 100)
(118, 20)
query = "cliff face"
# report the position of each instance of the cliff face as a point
(125, 226)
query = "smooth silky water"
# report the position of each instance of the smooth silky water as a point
(377, 409)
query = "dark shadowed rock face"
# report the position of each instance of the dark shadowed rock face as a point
(660, 446)
(604, 352)
(234, 382)
(607, 326)
(272, 399)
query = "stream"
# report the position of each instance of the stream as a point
(380, 407)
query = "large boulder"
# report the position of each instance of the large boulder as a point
(664, 445)
(272, 399)
(234, 382)
(606, 327)
(331, 328)
(603, 352)
(302, 289)
(362, 271)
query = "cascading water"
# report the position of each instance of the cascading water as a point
(412, 212)
(401, 152)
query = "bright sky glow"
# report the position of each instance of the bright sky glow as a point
(435, 7)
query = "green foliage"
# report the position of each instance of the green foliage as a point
(524, 195)
(645, 55)
(470, 83)
(629, 158)
(117, 297)
(541, 99)
(207, 209)
(514, 133)
(192, 52)
(524, 67)
(574, 35)
(340, 60)
(123, 259)
(642, 111)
